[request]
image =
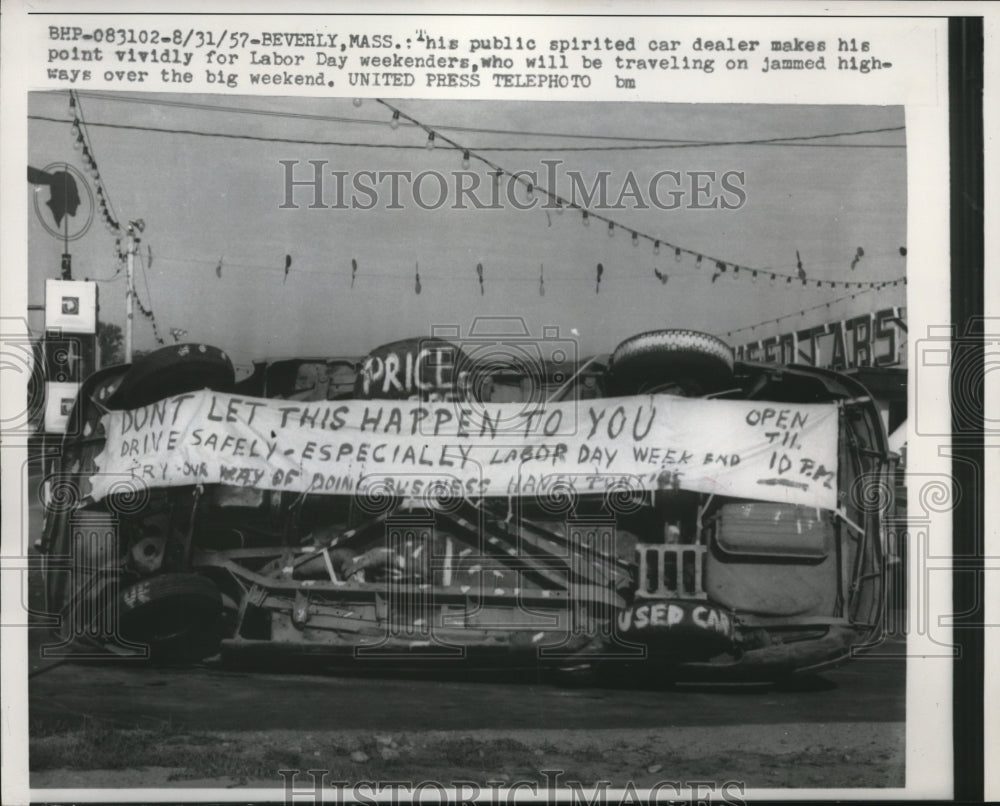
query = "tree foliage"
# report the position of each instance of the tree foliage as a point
(112, 343)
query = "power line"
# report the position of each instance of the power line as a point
(514, 132)
(720, 264)
(114, 278)
(228, 136)
(532, 149)
(785, 142)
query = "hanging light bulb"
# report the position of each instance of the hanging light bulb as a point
(74, 129)
(611, 229)
(656, 247)
(357, 102)
(677, 254)
(531, 191)
(586, 218)
(394, 123)
(78, 142)
(635, 238)
(465, 159)
(430, 141)
(559, 205)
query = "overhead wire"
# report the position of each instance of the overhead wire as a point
(118, 97)
(788, 141)
(720, 265)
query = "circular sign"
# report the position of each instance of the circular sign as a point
(70, 197)
(428, 369)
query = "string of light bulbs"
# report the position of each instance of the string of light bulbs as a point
(778, 319)
(720, 266)
(560, 204)
(83, 143)
(147, 312)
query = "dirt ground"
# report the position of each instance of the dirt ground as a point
(759, 756)
(123, 726)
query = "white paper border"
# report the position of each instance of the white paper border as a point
(929, 699)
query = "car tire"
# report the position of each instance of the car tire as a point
(651, 361)
(178, 616)
(171, 371)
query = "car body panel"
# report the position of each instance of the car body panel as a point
(753, 590)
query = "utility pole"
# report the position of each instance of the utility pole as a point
(135, 229)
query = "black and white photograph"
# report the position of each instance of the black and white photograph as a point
(442, 446)
(477, 268)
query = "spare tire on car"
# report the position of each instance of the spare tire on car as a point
(173, 370)
(178, 616)
(681, 362)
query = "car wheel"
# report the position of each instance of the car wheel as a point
(684, 362)
(178, 616)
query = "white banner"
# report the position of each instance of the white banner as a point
(767, 451)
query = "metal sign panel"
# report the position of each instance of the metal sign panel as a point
(59, 399)
(71, 306)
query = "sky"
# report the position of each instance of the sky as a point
(205, 199)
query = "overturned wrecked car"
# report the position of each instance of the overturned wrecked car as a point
(662, 509)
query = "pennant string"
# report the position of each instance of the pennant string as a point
(559, 203)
